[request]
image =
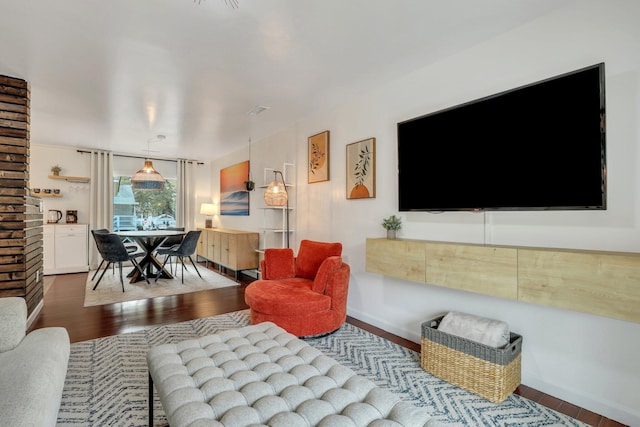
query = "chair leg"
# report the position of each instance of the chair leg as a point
(161, 268)
(96, 273)
(167, 258)
(121, 280)
(181, 258)
(103, 271)
(174, 265)
(194, 266)
(182, 264)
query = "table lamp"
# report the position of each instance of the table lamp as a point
(208, 209)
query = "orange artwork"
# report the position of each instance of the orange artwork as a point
(361, 169)
(234, 199)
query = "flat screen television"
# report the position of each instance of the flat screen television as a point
(536, 147)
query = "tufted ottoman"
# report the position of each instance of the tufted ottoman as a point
(261, 375)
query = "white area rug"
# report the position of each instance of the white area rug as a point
(107, 379)
(109, 290)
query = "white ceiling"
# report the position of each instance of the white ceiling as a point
(113, 74)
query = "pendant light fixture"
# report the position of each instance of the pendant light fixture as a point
(249, 184)
(148, 178)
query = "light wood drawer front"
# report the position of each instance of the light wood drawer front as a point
(404, 259)
(596, 282)
(481, 269)
(606, 284)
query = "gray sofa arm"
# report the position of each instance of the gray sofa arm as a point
(32, 378)
(33, 368)
(13, 322)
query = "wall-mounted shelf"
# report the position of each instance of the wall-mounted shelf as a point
(71, 178)
(41, 194)
(277, 208)
(595, 282)
(267, 185)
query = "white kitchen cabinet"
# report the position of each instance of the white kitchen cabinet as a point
(48, 249)
(66, 248)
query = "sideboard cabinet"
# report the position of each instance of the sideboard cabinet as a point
(595, 282)
(232, 249)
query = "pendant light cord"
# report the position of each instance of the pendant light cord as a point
(249, 177)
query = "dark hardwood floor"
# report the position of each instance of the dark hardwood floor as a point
(64, 300)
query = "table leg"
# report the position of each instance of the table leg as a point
(148, 262)
(150, 400)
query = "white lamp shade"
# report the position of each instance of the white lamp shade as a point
(207, 209)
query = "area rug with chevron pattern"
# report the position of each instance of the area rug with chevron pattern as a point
(107, 380)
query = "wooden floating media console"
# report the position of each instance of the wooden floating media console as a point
(596, 282)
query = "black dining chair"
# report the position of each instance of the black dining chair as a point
(113, 251)
(93, 233)
(171, 242)
(130, 246)
(186, 249)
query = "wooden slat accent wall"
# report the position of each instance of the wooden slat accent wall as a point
(20, 216)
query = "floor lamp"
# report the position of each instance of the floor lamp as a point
(276, 195)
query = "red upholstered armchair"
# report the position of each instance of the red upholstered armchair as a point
(307, 294)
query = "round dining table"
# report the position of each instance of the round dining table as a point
(149, 241)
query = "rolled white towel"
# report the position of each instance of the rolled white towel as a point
(494, 333)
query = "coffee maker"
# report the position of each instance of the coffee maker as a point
(72, 217)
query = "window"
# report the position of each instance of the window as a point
(143, 209)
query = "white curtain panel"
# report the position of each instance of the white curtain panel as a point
(100, 198)
(185, 199)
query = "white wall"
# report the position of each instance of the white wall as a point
(587, 360)
(272, 153)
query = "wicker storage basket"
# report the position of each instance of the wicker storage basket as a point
(493, 373)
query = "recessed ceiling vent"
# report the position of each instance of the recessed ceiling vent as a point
(257, 110)
(233, 3)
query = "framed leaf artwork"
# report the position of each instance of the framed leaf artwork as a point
(319, 157)
(361, 169)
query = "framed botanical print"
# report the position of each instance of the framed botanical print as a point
(361, 169)
(319, 157)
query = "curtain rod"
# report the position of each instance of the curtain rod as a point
(131, 156)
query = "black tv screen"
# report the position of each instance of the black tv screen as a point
(536, 147)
